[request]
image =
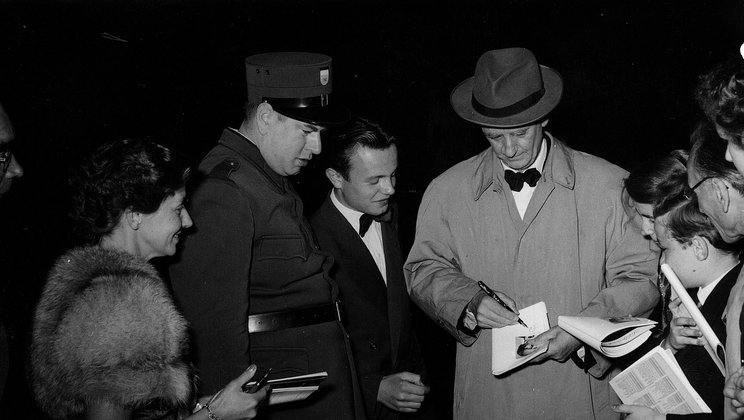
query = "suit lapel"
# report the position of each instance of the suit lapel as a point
(397, 296)
(354, 248)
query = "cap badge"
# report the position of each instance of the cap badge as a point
(325, 76)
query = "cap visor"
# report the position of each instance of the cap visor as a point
(333, 114)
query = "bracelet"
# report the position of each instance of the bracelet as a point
(211, 415)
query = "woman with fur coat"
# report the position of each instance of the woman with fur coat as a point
(108, 341)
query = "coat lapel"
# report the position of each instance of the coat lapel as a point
(355, 249)
(397, 295)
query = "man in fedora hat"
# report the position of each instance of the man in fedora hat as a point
(251, 280)
(535, 221)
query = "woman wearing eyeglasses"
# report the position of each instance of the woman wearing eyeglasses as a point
(108, 341)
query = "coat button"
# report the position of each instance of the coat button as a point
(372, 345)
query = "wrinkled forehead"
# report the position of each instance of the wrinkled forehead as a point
(504, 131)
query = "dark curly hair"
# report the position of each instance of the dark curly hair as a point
(125, 174)
(720, 94)
(658, 178)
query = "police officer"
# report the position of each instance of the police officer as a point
(251, 280)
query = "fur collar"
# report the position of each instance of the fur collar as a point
(106, 329)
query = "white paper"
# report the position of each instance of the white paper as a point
(504, 355)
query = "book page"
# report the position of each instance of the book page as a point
(712, 344)
(506, 340)
(656, 381)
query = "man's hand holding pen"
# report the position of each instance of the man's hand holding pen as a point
(491, 314)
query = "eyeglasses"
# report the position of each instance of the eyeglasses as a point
(690, 191)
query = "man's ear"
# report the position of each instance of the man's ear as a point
(721, 191)
(264, 114)
(132, 218)
(700, 248)
(337, 180)
(544, 123)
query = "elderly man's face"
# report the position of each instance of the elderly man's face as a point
(517, 148)
(723, 205)
(10, 168)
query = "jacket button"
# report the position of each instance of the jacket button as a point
(372, 345)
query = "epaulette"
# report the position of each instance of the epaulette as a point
(224, 169)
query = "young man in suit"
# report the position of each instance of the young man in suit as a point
(357, 224)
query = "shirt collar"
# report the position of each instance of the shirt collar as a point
(349, 214)
(558, 167)
(705, 291)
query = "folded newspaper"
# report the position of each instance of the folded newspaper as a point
(293, 388)
(656, 381)
(613, 337)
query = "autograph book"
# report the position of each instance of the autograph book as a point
(613, 337)
(505, 341)
(293, 388)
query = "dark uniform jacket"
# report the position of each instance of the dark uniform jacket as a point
(377, 316)
(253, 252)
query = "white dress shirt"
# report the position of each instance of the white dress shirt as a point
(372, 239)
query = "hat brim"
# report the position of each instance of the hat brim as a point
(331, 115)
(461, 98)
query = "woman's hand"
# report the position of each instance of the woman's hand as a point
(232, 403)
(638, 412)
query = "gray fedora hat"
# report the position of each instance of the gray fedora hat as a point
(509, 89)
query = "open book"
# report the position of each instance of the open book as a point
(293, 388)
(505, 341)
(656, 381)
(711, 342)
(613, 337)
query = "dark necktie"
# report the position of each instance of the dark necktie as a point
(365, 221)
(516, 180)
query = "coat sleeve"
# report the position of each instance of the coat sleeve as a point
(211, 282)
(629, 285)
(432, 270)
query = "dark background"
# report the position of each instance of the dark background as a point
(76, 74)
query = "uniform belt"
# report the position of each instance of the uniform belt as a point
(279, 320)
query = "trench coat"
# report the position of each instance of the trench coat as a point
(577, 249)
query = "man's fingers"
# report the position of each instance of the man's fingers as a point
(684, 322)
(413, 389)
(411, 377)
(509, 302)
